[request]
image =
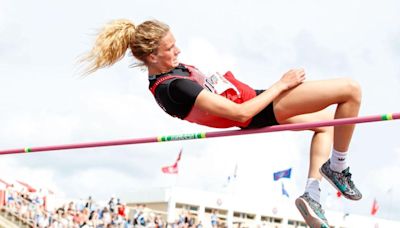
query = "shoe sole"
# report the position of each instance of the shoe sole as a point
(334, 185)
(309, 215)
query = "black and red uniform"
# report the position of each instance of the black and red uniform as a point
(176, 92)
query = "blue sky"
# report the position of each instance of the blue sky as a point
(44, 101)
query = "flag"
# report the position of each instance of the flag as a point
(375, 207)
(235, 171)
(172, 169)
(234, 174)
(284, 192)
(5, 183)
(27, 186)
(282, 174)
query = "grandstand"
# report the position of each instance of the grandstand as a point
(157, 207)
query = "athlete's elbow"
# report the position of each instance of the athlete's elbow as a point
(243, 116)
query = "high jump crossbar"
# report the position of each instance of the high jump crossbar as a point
(202, 135)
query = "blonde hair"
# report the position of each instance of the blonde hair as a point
(116, 37)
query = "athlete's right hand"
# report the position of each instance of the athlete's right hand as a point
(292, 78)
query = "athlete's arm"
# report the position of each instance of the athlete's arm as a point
(220, 106)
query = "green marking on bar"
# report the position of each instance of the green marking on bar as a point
(202, 135)
(27, 150)
(181, 137)
(388, 116)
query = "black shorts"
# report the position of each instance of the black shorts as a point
(264, 118)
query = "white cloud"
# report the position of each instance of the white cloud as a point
(208, 58)
(99, 182)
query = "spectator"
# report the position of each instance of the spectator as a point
(112, 204)
(214, 219)
(106, 216)
(121, 209)
(158, 222)
(140, 219)
(93, 220)
(42, 220)
(89, 203)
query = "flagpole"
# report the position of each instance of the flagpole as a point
(201, 135)
(232, 185)
(179, 169)
(391, 209)
(171, 204)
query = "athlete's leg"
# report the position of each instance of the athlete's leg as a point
(314, 96)
(321, 142)
(311, 97)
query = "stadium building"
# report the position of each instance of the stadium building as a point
(235, 212)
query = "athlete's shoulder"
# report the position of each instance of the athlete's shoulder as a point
(188, 65)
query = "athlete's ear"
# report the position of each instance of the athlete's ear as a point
(152, 58)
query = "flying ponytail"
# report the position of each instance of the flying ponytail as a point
(117, 36)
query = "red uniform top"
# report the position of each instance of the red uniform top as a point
(225, 85)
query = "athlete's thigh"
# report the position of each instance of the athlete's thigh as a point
(322, 115)
(310, 96)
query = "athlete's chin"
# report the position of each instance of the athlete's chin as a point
(175, 63)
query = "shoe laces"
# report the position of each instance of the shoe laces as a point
(320, 208)
(322, 211)
(347, 176)
(316, 204)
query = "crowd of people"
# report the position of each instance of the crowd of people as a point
(31, 208)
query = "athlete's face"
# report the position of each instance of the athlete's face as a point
(166, 57)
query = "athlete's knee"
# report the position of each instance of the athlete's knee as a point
(325, 115)
(326, 130)
(352, 89)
